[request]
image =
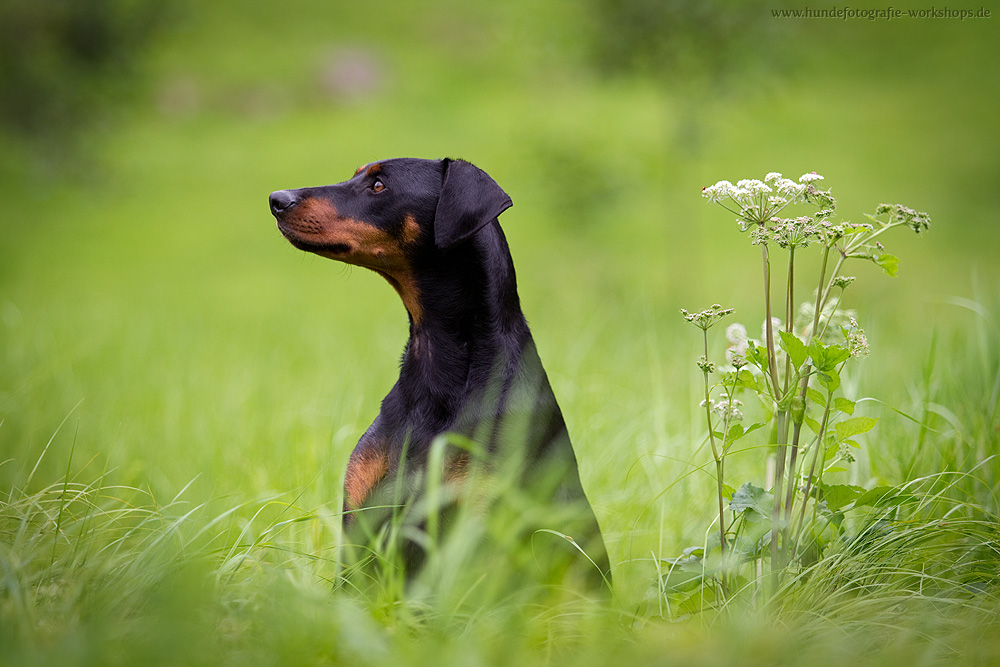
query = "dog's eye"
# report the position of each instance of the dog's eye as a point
(378, 186)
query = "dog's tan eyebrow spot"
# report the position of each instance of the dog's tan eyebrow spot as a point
(374, 169)
(360, 169)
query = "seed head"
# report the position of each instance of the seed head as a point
(706, 318)
(705, 365)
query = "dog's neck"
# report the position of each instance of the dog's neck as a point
(468, 318)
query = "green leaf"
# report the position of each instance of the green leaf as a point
(679, 580)
(795, 348)
(854, 426)
(751, 497)
(816, 397)
(747, 380)
(702, 599)
(827, 357)
(840, 495)
(812, 424)
(844, 405)
(757, 355)
(735, 433)
(829, 379)
(889, 263)
(876, 495)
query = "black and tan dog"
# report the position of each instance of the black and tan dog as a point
(470, 367)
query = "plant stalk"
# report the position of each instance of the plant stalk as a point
(797, 429)
(779, 417)
(718, 468)
(812, 468)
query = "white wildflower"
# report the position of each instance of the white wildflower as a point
(752, 186)
(718, 192)
(857, 341)
(810, 177)
(725, 407)
(789, 188)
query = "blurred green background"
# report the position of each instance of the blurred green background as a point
(147, 299)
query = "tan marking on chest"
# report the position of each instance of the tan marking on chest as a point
(364, 471)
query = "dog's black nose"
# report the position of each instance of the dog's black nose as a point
(281, 201)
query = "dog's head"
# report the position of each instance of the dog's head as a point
(389, 211)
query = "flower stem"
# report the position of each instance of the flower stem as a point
(868, 238)
(790, 481)
(818, 444)
(789, 307)
(779, 422)
(718, 468)
(797, 429)
(772, 365)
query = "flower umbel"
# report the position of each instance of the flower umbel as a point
(918, 221)
(756, 202)
(706, 318)
(843, 282)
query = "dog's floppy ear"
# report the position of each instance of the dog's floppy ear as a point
(469, 199)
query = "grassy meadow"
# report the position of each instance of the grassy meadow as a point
(180, 388)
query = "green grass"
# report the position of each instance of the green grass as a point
(180, 389)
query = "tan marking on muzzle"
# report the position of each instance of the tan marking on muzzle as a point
(316, 222)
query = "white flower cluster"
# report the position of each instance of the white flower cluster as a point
(786, 186)
(757, 201)
(727, 408)
(857, 341)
